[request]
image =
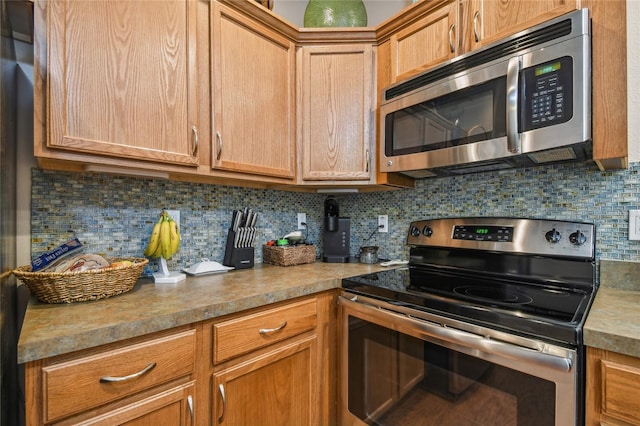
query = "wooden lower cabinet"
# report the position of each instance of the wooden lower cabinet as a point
(274, 365)
(613, 389)
(276, 388)
(143, 381)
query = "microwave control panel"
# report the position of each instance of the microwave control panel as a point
(546, 94)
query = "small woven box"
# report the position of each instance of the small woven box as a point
(289, 255)
(94, 284)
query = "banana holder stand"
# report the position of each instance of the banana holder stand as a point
(164, 276)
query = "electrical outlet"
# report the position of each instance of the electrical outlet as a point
(302, 220)
(634, 224)
(383, 223)
(175, 215)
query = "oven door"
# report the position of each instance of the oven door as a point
(402, 367)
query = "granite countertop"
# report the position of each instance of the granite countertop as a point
(54, 329)
(613, 323)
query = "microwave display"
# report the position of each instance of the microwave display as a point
(547, 94)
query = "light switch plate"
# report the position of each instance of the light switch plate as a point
(634, 224)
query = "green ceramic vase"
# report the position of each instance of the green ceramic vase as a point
(335, 13)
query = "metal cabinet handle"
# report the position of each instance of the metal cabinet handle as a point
(190, 404)
(452, 46)
(219, 137)
(368, 161)
(224, 402)
(476, 34)
(110, 379)
(194, 129)
(272, 330)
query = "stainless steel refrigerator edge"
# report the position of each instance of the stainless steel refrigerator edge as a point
(12, 297)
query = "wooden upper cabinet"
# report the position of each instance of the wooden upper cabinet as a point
(486, 21)
(253, 95)
(336, 105)
(430, 40)
(121, 78)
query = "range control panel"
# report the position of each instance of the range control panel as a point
(514, 235)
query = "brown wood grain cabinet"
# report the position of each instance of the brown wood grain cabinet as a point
(116, 80)
(147, 381)
(253, 75)
(613, 388)
(275, 364)
(336, 107)
(271, 365)
(487, 21)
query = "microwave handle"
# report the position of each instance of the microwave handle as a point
(513, 137)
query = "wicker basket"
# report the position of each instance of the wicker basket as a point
(289, 256)
(68, 287)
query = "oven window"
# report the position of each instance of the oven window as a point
(397, 379)
(468, 115)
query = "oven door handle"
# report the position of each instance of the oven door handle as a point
(458, 337)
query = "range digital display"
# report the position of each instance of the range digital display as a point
(483, 233)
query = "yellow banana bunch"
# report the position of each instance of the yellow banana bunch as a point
(165, 238)
(154, 240)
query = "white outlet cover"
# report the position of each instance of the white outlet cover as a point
(175, 215)
(634, 224)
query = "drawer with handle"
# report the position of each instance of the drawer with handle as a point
(250, 332)
(77, 385)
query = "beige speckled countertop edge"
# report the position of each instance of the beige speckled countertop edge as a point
(613, 323)
(50, 330)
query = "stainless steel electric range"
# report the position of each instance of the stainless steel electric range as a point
(482, 327)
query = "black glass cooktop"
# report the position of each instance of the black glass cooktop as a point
(545, 310)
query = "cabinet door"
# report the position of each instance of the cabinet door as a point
(432, 39)
(489, 20)
(253, 79)
(336, 109)
(170, 408)
(121, 79)
(277, 388)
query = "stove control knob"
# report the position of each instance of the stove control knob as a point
(553, 236)
(577, 238)
(427, 231)
(415, 232)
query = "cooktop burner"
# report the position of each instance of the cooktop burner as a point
(537, 282)
(493, 294)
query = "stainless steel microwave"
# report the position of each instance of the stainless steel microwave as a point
(522, 101)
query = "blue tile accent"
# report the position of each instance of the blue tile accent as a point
(114, 215)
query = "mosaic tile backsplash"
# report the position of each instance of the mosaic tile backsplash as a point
(114, 216)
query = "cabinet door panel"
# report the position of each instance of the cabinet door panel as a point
(429, 41)
(278, 388)
(336, 109)
(489, 20)
(170, 408)
(122, 79)
(253, 92)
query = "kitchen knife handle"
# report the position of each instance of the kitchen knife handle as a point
(194, 129)
(219, 137)
(224, 402)
(110, 379)
(272, 330)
